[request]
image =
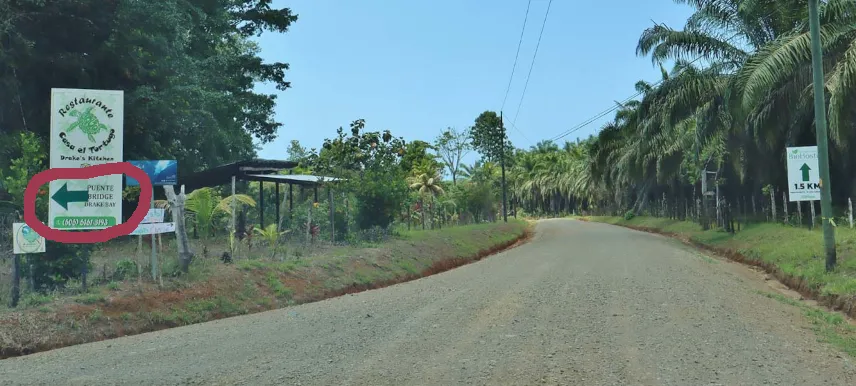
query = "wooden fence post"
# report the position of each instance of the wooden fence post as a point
(811, 204)
(850, 211)
(799, 212)
(773, 203)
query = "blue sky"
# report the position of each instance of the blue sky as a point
(416, 67)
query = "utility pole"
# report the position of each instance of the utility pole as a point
(822, 141)
(502, 166)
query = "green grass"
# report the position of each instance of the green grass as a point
(831, 327)
(798, 252)
(253, 283)
(90, 298)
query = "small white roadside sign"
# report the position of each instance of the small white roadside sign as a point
(26, 240)
(152, 229)
(803, 174)
(154, 215)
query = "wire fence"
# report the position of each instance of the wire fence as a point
(302, 226)
(731, 212)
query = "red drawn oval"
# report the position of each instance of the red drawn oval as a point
(81, 174)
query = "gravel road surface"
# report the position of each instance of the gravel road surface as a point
(580, 304)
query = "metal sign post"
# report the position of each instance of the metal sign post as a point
(160, 172)
(24, 241)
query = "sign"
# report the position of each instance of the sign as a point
(26, 240)
(151, 229)
(803, 174)
(86, 130)
(154, 215)
(163, 172)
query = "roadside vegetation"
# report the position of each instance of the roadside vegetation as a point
(794, 255)
(47, 320)
(399, 208)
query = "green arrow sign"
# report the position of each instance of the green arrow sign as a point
(63, 196)
(805, 170)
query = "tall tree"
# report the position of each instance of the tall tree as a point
(489, 138)
(452, 146)
(187, 67)
(418, 158)
(296, 152)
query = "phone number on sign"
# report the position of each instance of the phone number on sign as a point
(82, 222)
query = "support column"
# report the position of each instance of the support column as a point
(277, 206)
(261, 204)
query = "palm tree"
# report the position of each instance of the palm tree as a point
(427, 184)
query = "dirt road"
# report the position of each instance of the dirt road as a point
(581, 304)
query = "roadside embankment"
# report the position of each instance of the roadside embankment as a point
(794, 256)
(247, 286)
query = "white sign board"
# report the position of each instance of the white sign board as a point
(26, 240)
(153, 216)
(86, 130)
(803, 174)
(151, 229)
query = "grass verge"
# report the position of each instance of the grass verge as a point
(793, 255)
(247, 286)
(830, 327)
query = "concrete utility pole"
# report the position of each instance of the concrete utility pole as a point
(822, 141)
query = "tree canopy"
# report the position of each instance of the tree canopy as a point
(187, 69)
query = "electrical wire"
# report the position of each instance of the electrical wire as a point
(516, 55)
(615, 107)
(619, 105)
(532, 65)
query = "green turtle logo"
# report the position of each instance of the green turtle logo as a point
(87, 122)
(29, 234)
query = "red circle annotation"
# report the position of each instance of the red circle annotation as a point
(81, 174)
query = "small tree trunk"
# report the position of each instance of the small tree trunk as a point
(799, 212)
(785, 205)
(850, 211)
(83, 274)
(754, 208)
(422, 212)
(773, 203)
(185, 254)
(16, 281)
(811, 203)
(309, 224)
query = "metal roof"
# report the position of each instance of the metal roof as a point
(296, 179)
(222, 175)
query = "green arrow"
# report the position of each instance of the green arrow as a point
(63, 196)
(805, 170)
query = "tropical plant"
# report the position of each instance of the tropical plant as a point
(271, 235)
(206, 205)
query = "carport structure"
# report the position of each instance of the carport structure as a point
(262, 170)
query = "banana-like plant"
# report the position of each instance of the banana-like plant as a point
(206, 206)
(271, 235)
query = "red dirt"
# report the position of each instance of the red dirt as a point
(141, 300)
(437, 267)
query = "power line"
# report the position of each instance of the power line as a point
(521, 133)
(616, 107)
(516, 55)
(532, 65)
